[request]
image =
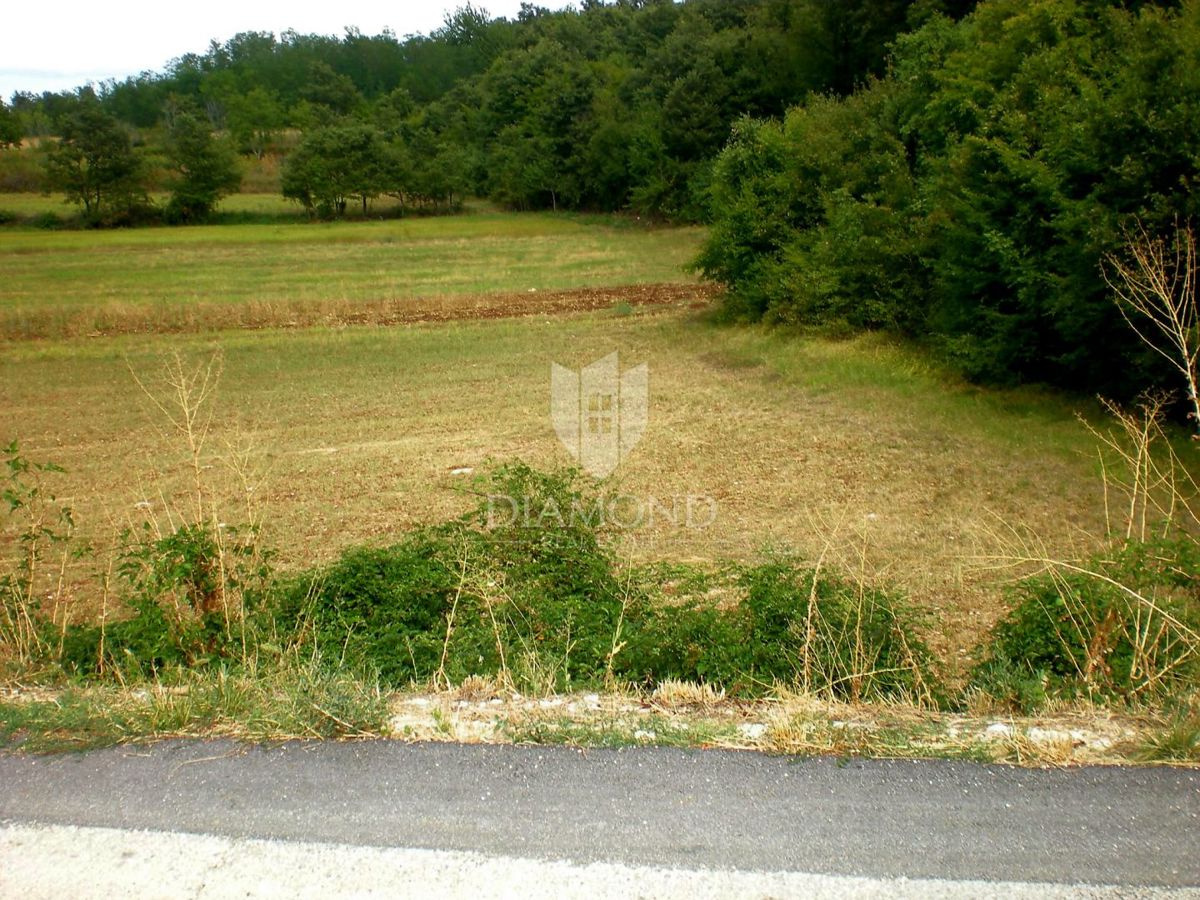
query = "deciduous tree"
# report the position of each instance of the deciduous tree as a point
(95, 164)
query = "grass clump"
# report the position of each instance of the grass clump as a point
(1179, 741)
(283, 699)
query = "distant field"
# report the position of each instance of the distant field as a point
(27, 205)
(63, 283)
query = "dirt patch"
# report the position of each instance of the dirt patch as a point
(204, 316)
(527, 303)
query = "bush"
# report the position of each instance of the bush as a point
(536, 604)
(190, 592)
(1124, 627)
(20, 171)
(831, 635)
(538, 600)
(48, 221)
(380, 609)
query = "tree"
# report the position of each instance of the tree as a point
(330, 89)
(10, 127)
(95, 165)
(204, 169)
(254, 119)
(335, 163)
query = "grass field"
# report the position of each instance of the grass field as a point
(860, 449)
(64, 283)
(352, 435)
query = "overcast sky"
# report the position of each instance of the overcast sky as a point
(52, 46)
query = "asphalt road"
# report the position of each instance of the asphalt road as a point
(642, 808)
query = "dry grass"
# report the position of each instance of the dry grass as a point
(296, 701)
(672, 694)
(361, 430)
(788, 723)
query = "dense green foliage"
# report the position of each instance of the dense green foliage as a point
(95, 165)
(203, 169)
(615, 105)
(1125, 626)
(970, 196)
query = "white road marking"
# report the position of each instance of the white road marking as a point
(54, 861)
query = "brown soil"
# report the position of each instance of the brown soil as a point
(531, 303)
(202, 317)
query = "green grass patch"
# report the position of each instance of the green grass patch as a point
(614, 732)
(279, 702)
(74, 282)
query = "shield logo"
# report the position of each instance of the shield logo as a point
(598, 413)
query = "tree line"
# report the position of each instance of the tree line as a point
(618, 105)
(969, 197)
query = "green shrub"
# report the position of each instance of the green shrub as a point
(48, 221)
(381, 609)
(831, 635)
(1123, 627)
(189, 591)
(535, 598)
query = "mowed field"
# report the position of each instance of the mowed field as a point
(859, 449)
(80, 283)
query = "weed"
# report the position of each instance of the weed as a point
(1177, 742)
(1123, 625)
(38, 525)
(292, 699)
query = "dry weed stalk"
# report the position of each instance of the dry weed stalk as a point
(186, 399)
(1154, 488)
(1155, 284)
(37, 525)
(188, 410)
(475, 580)
(818, 667)
(627, 594)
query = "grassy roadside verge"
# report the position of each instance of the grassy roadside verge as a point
(307, 707)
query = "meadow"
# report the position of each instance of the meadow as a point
(290, 271)
(859, 449)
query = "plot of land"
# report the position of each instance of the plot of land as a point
(858, 449)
